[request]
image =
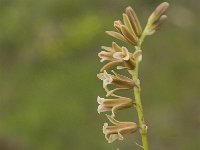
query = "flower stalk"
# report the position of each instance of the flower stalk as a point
(129, 31)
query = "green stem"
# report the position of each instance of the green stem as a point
(137, 94)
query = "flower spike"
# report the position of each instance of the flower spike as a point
(130, 31)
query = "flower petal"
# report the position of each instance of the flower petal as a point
(116, 35)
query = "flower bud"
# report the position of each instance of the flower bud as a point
(134, 21)
(158, 12)
(131, 38)
(157, 18)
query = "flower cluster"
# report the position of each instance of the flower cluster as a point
(131, 32)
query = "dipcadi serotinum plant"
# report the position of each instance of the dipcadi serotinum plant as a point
(131, 32)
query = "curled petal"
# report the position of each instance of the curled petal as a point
(107, 78)
(113, 121)
(114, 137)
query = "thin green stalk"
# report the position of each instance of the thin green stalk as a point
(137, 95)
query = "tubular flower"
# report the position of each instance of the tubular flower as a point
(116, 55)
(113, 105)
(130, 31)
(120, 81)
(120, 129)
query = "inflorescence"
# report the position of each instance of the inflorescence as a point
(131, 32)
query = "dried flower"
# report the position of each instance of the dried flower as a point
(120, 129)
(114, 104)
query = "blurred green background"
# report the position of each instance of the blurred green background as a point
(48, 67)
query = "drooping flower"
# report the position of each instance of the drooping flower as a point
(114, 104)
(119, 129)
(120, 81)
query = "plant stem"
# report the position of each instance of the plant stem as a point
(137, 92)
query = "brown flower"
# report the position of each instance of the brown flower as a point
(126, 57)
(130, 31)
(114, 104)
(120, 129)
(120, 81)
(108, 53)
(116, 55)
